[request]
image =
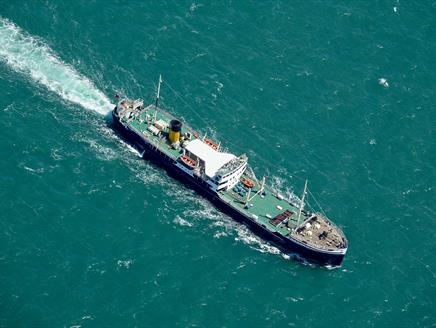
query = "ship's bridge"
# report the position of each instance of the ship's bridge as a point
(211, 159)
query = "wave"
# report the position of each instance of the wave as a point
(30, 56)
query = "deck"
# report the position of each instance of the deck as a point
(265, 208)
(138, 123)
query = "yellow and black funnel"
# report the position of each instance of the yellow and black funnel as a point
(174, 133)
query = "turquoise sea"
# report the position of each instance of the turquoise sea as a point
(341, 93)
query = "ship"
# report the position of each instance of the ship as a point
(228, 182)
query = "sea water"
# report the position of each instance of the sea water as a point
(342, 94)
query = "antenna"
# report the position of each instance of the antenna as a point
(302, 201)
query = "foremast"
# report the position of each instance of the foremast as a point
(156, 104)
(300, 208)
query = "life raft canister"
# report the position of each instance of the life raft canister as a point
(247, 182)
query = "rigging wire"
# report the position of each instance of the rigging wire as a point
(317, 204)
(186, 103)
(177, 94)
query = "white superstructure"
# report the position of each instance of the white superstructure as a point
(211, 159)
(221, 170)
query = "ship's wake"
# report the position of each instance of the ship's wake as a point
(30, 56)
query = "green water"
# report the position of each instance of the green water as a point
(93, 236)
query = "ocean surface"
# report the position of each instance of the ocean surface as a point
(341, 93)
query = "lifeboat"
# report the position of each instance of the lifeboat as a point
(247, 182)
(188, 161)
(210, 143)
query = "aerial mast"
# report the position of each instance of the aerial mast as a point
(302, 201)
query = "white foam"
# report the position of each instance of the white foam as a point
(182, 222)
(220, 234)
(246, 236)
(384, 82)
(124, 263)
(103, 153)
(30, 56)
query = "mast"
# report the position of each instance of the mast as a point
(248, 196)
(157, 96)
(302, 201)
(262, 187)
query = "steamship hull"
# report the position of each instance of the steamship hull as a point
(289, 246)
